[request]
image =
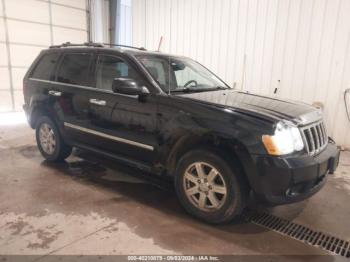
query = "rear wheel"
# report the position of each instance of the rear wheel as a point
(209, 188)
(49, 140)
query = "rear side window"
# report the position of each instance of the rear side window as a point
(74, 69)
(45, 68)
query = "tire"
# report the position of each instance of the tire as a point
(226, 204)
(46, 131)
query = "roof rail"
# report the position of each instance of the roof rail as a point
(127, 46)
(68, 44)
(92, 44)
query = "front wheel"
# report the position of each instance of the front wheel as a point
(49, 140)
(209, 188)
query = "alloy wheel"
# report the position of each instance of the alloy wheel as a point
(47, 139)
(204, 186)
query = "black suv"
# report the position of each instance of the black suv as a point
(173, 117)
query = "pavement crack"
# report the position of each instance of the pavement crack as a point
(75, 241)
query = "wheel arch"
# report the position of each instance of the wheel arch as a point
(231, 150)
(39, 107)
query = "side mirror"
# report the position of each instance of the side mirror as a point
(128, 86)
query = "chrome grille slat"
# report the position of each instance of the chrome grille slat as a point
(324, 133)
(312, 141)
(306, 143)
(314, 137)
(319, 143)
(320, 135)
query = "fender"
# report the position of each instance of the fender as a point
(184, 127)
(40, 105)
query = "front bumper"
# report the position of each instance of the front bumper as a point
(283, 180)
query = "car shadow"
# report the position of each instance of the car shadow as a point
(136, 191)
(145, 188)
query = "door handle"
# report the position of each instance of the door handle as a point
(55, 93)
(97, 102)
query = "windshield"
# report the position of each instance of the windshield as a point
(175, 74)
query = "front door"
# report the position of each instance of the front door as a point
(120, 124)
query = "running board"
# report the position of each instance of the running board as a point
(133, 163)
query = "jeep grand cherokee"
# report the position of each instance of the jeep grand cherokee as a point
(173, 117)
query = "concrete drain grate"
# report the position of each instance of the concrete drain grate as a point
(299, 232)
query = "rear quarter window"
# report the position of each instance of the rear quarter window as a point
(45, 68)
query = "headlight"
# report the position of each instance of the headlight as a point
(286, 139)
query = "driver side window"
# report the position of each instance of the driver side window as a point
(108, 68)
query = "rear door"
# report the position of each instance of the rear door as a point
(71, 85)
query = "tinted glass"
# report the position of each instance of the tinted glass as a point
(74, 69)
(45, 68)
(179, 74)
(158, 69)
(110, 67)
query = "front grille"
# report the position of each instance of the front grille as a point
(315, 137)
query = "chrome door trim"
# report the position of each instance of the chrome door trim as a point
(64, 84)
(115, 138)
(55, 93)
(97, 102)
(83, 87)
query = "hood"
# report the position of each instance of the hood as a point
(264, 106)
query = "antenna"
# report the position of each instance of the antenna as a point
(169, 66)
(170, 25)
(160, 43)
(243, 72)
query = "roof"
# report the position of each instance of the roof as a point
(118, 48)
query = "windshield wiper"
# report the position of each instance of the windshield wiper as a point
(191, 89)
(187, 90)
(222, 87)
